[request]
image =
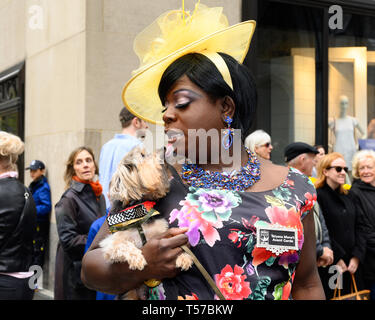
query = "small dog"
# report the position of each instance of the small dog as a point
(140, 176)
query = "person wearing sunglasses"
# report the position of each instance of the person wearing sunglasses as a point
(344, 223)
(259, 142)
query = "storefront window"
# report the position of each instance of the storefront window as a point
(288, 48)
(9, 121)
(351, 98)
(11, 106)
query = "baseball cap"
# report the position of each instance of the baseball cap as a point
(35, 165)
(294, 149)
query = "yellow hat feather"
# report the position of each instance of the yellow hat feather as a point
(174, 34)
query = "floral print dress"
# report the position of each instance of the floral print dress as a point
(223, 236)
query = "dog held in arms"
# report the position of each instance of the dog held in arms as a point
(139, 180)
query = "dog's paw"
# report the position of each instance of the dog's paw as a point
(115, 249)
(184, 261)
(111, 252)
(136, 260)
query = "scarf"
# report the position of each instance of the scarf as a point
(96, 186)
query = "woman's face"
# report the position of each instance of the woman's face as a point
(334, 175)
(264, 150)
(84, 166)
(320, 155)
(188, 107)
(36, 174)
(366, 170)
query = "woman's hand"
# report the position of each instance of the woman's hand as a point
(341, 266)
(326, 258)
(116, 278)
(161, 253)
(353, 265)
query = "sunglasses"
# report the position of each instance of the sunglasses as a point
(339, 169)
(267, 145)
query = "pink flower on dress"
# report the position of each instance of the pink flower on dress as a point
(203, 211)
(190, 217)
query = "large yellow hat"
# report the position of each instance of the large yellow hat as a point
(174, 34)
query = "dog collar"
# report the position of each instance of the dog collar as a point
(130, 216)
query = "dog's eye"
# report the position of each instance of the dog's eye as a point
(130, 166)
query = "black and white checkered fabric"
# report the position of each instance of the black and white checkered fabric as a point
(127, 215)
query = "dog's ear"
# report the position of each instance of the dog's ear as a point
(126, 184)
(154, 178)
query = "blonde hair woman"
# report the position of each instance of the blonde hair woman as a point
(18, 224)
(363, 190)
(343, 221)
(80, 205)
(11, 147)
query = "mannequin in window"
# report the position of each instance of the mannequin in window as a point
(343, 129)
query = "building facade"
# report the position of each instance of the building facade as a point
(63, 64)
(305, 56)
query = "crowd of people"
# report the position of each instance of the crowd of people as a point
(205, 87)
(343, 214)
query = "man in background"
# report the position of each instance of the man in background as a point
(302, 157)
(133, 132)
(41, 192)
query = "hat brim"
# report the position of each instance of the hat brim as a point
(140, 93)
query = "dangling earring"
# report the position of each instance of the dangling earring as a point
(227, 140)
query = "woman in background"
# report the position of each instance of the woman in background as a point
(17, 224)
(259, 142)
(80, 205)
(343, 220)
(318, 157)
(363, 190)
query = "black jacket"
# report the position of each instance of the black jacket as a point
(77, 209)
(364, 195)
(344, 222)
(17, 226)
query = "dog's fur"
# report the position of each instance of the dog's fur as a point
(139, 177)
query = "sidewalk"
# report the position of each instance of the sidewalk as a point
(43, 294)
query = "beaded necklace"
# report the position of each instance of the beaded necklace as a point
(249, 174)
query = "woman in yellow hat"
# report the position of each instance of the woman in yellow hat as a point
(248, 222)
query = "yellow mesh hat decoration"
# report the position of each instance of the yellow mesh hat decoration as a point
(172, 35)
